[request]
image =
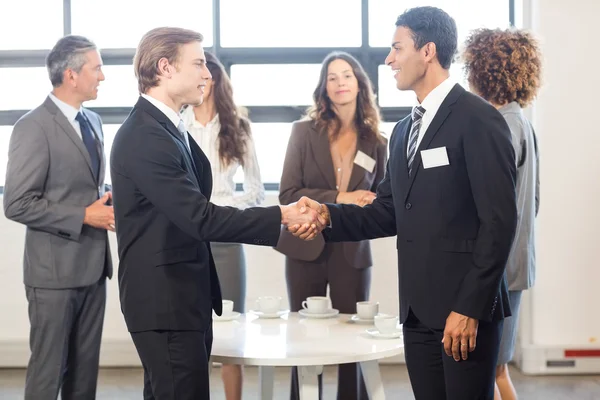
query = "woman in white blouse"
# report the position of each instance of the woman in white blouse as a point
(222, 131)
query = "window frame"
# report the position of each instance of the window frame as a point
(369, 57)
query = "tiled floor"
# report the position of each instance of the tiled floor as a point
(126, 384)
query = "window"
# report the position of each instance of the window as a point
(119, 89)
(468, 14)
(30, 25)
(390, 96)
(274, 84)
(5, 132)
(23, 88)
(109, 130)
(276, 23)
(121, 24)
(270, 141)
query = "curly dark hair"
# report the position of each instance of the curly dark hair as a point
(367, 117)
(503, 65)
(235, 126)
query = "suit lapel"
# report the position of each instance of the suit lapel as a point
(203, 169)
(437, 122)
(174, 133)
(403, 130)
(68, 129)
(319, 142)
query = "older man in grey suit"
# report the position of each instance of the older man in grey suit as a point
(55, 186)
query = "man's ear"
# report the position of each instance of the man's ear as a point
(430, 51)
(164, 68)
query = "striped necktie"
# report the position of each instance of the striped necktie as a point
(417, 117)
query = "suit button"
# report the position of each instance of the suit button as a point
(408, 206)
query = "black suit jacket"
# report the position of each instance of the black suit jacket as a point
(454, 223)
(164, 223)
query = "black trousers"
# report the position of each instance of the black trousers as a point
(436, 376)
(176, 364)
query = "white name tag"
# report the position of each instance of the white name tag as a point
(434, 157)
(364, 161)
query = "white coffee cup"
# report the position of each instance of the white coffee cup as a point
(268, 304)
(367, 309)
(386, 323)
(316, 304)
(227, 307)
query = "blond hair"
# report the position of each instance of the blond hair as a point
(156, 44)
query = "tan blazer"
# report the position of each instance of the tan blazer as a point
(308, 171)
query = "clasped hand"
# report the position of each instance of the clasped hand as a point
(305, 219)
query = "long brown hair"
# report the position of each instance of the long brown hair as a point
(235, 126)
(367, 116)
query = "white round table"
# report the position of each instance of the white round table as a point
(307, 343)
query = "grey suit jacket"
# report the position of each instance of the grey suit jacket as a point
(520, 268)
(49, 183)
(308, 171)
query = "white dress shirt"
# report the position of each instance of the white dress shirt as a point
(69, 111)
(223, 193)
(174, 117)
(431, 103)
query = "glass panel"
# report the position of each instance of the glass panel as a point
(276, 23)
(31, 25)
(271, 140)
(274, 84)
(136, 17)
(390, 96)
(119, 89)
(468, 14)
(110, 130)
(5, 132)
(23, 88)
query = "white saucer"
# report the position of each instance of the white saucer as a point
(356, 319)
(373, 332)
(277, 314)
(332, 312)
(229, 317)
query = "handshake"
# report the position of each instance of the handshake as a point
(305, 219)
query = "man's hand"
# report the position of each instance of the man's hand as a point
(302, 220)
(358, 197)
(99, 215)
(460, 335)
(304, 231)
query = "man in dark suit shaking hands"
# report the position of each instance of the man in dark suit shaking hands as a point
(449, 196)
(164, 220)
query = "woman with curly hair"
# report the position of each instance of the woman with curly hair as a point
(504, 67)
(222, 131)
(335, 155)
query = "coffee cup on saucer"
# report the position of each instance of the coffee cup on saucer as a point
(316, 304)
(386, 323)
(268, 304)
(367, 310)
(227, 308)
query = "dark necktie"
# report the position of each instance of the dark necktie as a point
(90, 143)
(417, 117)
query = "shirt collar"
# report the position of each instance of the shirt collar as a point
(190, 119)
(168, 111)
(432, 102)
(68, 110)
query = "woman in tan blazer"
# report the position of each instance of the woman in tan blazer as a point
(335, 155)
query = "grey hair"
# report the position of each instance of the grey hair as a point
(68, 53)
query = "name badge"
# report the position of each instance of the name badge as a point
(364, 161)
